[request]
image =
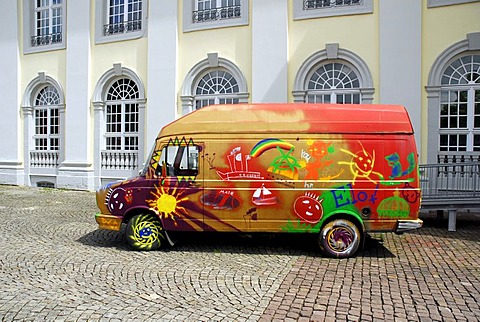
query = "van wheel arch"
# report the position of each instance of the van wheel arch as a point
(341, 235)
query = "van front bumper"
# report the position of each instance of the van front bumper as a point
(407, 225)
(108, 222)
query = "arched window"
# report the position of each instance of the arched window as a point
(46, 119)
(333, 75)
(460, 105)
(214, 80)
(333, 82)
(121, 116)
(216, 87)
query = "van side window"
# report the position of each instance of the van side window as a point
(178, 161)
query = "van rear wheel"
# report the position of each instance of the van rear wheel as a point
(145, 232)
(339, 238)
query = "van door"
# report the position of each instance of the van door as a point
(179, 187)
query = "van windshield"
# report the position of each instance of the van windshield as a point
(178, 161)
(146, 165)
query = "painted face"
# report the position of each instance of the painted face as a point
(319, 149)
(308, 209)
(410, 194)
(116, 200)
(364, 162)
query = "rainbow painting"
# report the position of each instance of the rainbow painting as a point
(268, 144)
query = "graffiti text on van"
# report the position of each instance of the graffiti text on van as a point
(343, 198)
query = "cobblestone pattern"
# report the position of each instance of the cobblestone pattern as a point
(56, 266)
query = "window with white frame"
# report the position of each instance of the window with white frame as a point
(120, 20)
(121, 117)
(441, 3)
(43, 25)
(460, 105)
(333, 82)
(306, 9)
(208, 10)
(216, 87)
(206, 14)
(46, 119)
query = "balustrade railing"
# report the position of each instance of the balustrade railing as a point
(319, 4)
(214, 14)
(46, 39)
(458, 157)
(122, 27)
(44, 159)
(119, 160)
(450, 182)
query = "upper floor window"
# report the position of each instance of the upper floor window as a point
(441, 3)
(460, 105)
(46, 119)
(206, 14)
(216, 87)
(305, 9)
(208, 10)
(43, 25)
(121, 118)
(120, 20)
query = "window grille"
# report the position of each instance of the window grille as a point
(48, 22)
(216, 87)
(121, 118)
(47, 119)
(459, 128)
(320, 4)
(123, 16)
(213, 10)
(333, 83)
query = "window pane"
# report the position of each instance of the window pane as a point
(114, 143)
(41, 144)
(476, 142)
(53, 143)
(131, 143)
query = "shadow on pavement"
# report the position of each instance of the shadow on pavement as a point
(258, 243)
(468, 226)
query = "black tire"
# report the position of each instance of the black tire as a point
(145, 232)
(340, 238)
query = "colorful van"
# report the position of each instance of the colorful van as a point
(337, 171)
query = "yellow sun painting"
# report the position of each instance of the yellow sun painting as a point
(166, 203)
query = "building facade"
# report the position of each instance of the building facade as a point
(87, 85)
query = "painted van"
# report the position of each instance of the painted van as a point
(337, 171)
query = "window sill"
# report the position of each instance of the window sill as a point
(44, 48)
(119, 37)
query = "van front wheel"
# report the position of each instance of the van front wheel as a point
(144, 232)
(339, 238)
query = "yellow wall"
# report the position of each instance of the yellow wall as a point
(232, 43)
(131, 54)
(358, 34)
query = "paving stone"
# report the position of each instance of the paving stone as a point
(55, 265)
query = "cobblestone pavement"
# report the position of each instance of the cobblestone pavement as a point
(55, 265)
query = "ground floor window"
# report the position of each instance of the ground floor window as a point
(459, 126)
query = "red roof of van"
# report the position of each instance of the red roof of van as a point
(293, 118)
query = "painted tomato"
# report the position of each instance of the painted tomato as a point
(308, 208)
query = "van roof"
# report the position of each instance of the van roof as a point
(292, 118)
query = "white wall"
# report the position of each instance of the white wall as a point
(11, 165)
(162, 68)
(269, 51)
(76, 171)
(400, 57)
